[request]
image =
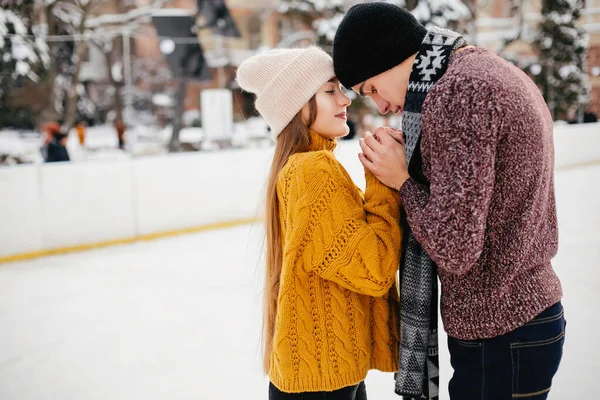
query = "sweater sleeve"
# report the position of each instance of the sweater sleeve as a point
(459, 142)
(337, 234)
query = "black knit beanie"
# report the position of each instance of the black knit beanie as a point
(373, 38)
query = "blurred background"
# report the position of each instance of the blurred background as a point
(131, 75)
(132, 169)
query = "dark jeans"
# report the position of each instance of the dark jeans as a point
(357, 392)
(518, 365)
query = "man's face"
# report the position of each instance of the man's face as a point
(388, 89)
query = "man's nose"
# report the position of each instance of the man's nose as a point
(382, 105)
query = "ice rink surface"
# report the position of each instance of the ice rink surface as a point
(179, 318)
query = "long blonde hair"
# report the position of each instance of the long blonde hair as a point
(293, 139)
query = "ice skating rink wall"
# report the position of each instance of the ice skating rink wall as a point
(54, 208)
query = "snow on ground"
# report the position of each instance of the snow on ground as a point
(179, 318)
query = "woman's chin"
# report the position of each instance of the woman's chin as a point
(342, 132)
(337, 134)
(345, 132)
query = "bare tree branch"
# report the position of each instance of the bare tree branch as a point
(137, 15)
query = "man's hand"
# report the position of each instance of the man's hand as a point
(383, 155)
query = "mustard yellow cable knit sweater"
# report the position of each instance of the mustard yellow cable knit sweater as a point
(337, 313)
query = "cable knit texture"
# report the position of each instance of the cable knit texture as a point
(284, 80)
(338, 301)
(489, 218)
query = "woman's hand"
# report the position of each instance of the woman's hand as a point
(383, 155)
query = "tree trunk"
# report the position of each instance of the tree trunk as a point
(80, 49)
(174, 144)
(71, 113)
(118, 105)
(49, 113)
(118, 102)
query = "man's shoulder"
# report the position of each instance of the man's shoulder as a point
(476, 73)
(481, 68)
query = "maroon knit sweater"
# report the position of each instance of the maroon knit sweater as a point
(488, 219)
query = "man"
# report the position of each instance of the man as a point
(474, 169)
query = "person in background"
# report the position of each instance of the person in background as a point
(120, 128)
(80, 129)
(55, 143)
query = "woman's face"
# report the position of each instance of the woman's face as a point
(332, 114)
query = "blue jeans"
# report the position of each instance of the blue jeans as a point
(518, 365)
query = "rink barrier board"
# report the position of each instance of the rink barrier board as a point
(130, 240)
(571, 167)
(148, 220)
(178, 232)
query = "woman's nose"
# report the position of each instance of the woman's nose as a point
(345, 100)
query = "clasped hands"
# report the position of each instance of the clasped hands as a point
(383, 155)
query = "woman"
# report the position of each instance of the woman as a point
(332, 254)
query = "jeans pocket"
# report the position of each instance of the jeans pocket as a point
(467, 343)
(466, 358)
(536, 353)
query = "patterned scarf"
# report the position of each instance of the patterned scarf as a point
(418, 375)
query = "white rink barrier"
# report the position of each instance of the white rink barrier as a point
(576, 144)
(61, 206)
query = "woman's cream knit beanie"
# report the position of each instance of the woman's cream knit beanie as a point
(284, 80)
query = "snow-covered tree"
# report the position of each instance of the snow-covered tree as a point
(106, 33)
(450, 14)
(563, 50)
(24, 53)
(75, 14)
(323, 16)
(22, 47)
(87, 23)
